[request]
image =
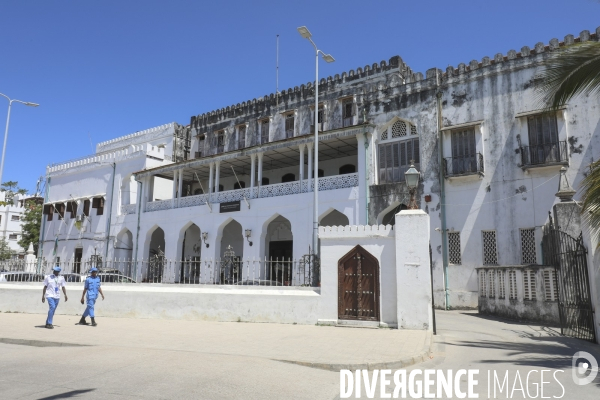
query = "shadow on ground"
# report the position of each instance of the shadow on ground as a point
(66, 395)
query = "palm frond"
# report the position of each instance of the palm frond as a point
(591, 202)
(572, 71)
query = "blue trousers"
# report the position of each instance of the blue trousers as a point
(52, 303)
(89, 310)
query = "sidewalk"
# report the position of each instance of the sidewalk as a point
(324, 347)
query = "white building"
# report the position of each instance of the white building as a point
(10, 221)
(489, 161)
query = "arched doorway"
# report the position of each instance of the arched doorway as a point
(358, 286)
(124, 252)
(191, 251)
(156, 256)
(334, 218)
(231, 253)
(279, 247)
(390, 217)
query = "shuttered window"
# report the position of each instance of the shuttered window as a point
(543, 129)
(60, 209)
(98, 204)
(463, 143)
(86, 208)
(72, 208)
(241, 136)
(49, 211)
(289, 125)
(395, 158)
(264, 131)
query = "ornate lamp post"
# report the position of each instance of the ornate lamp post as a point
(412, 181)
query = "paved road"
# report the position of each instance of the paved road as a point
(124, 358)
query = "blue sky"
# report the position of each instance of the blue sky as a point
(110, 68)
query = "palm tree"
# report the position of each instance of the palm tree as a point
(571, 72)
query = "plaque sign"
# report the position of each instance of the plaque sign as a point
(229, 206)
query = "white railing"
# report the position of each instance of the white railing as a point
(277, 189)
(128, 209)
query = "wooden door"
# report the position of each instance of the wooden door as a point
(358, 286)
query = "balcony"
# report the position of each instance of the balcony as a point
(544, 154)
(348, 121)
(278, 189)
(463, 165)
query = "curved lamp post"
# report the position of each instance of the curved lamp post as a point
(10, 101)
(305, 33)
(412, 177)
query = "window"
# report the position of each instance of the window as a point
(72, 208)
(321, 120)
(347, 113)
(492, 286)
(201, 141)
(264, 131)
(319, 175)
(512, 284)
(289, 125)
(98, 204)
(550, 285)
(220, 188)
(528, 255)
(265, 181)
(240, 185)
(49, 211)
(12, 236)
(60, 209)
(198, 191)
(490, 254)
(241, 136)
(86, 208)
(288, 178)
(501, 284)
(347, 169)
(454, 253)
(529, 284)
(395, 159)
(220, 141)
(544, 146)
(465, 159)
(15, 218)
(482, 289)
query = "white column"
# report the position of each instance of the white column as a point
(362, 179)
(180, 184)
(210, 180)
(309, 146)
(252, 170)
(413, 276)
(260, 168)
(175, 179)
(217, 173)
(301, 164)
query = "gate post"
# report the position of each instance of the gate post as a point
(413, 278)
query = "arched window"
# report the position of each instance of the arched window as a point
(347, 169)
(288, 178)
(220, 188)
(240, 185)
(198, 191)
(398, 147)
(265, 181)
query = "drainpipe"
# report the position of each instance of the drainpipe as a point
(137, 234)
(442, 188)
(41, 242)
(366, 176)
(112, 195)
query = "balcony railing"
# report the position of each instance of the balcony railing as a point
(278, 189)
(128, 209)
(463, 165)
(348, 121)
(543, 154)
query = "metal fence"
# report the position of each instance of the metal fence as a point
(192, 271)
(545, 153)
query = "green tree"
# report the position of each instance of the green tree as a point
(5, 251)
(30, 225)
(568, 73)
(11, 188)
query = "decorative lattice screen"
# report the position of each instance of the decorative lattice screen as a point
(529, 284)
(490, 253)
(550, 286)
(492, 291)
(384, 135)
(454, 248)
(528, 246)
(512, 284)
(482, 289)
(398, 129)
(413, 130)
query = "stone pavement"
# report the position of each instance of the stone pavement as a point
(325, 347)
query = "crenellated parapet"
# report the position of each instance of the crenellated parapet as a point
(138, 137)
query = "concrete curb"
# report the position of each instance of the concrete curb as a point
(403, 363)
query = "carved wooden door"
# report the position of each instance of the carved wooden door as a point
(358, 286)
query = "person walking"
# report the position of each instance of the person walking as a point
(52, 285)
(92, 288)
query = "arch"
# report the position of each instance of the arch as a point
(128, 190)
(239, 185)
(231, 252)
(358, 273)
(288, 178)
(347, 169)
(396, 128)
(156, 254)
(265, 181)
(124, 251)
(333, 218)
(387, 216)
(190, 244)
(279, 250)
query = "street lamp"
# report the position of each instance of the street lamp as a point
(10, 101)
(305, 33)
(412, 181)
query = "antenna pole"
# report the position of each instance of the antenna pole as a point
(277, 68)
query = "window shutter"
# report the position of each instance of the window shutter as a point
(416, 155)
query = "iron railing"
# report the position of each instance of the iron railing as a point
(463, 165)
(546, 153)
(348, 121)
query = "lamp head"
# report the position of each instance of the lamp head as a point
(304, 32)
(328, 58)
(31, 104)
(412, 177)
